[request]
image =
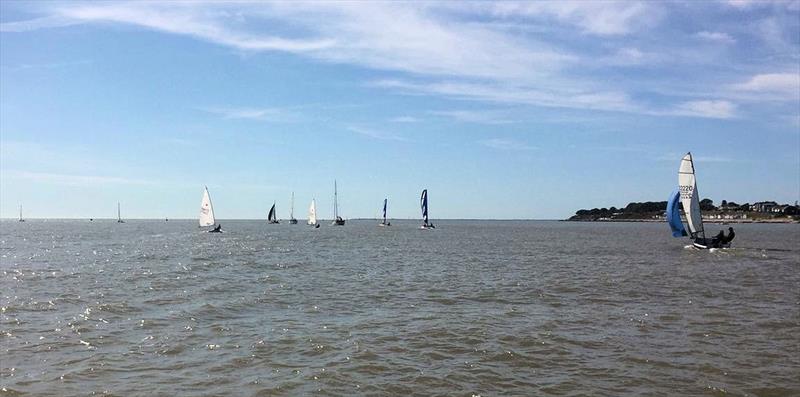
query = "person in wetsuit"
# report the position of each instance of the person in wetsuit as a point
(719, 239)
(731, 235)
(217, 229)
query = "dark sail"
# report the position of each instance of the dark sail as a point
(424, 204)
(384, 210)
(272, 217)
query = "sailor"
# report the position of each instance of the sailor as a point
(719, 239)
(217, 229)
(731, 235)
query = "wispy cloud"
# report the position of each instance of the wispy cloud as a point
(405, 119)
(259, 114)
(475, 116)
(567, 54)
(375, 134)
(717, 109)
(785, 85)
(718, 37)
(506, 144)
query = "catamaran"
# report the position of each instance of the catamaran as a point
(337, 220)
(119, 214)
(688, 196)
(423, 202)
(312, 214)
(21, 219)
(292, 221)
(272, 217)
(384, 222)
(207, 213)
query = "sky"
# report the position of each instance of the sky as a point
(502, 110)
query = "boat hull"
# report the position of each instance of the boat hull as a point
(292, 221)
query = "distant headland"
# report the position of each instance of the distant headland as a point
(727, 211)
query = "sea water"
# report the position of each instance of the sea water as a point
(470, 308)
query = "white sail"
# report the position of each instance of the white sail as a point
(312, 213)
(20, 214)
(687, 184)
(206, 210)
(291, 212)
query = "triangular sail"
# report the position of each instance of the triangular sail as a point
(674, 215)
(20, 212)
(206, 210)
(312, 213)
(272, 217)
(687, 184)
(423, 200)
(335, 202)
(384, 210)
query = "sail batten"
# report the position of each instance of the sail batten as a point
(424, 205)
(206, 210)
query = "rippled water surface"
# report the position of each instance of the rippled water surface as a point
(471, 308)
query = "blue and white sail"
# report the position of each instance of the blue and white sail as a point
(384, 210)
(674, 215)
(423, 202)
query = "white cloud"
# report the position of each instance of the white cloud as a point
(718, 37)
(718, 109)
(783, 83)
(474, 116)
(374, 134)
(506, 144)
(405, 119)
(603, 18)
(260, 114)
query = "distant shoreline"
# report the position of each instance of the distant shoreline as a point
(718, 221)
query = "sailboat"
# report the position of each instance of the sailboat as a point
(688, 196)
(119, 214)
(384, 222)
(423, 202)
(272, 218)
(292, 221)
(207, 213)
(312, 214)
(337, 220)
(20, 214)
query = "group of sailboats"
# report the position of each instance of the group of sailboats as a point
(207, 219)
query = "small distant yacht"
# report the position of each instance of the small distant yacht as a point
(292, 221)
(119, 214)
(384, 222)
(423, 202)
(337, 220)
(312, 214)
(207, 213)
(272, 217)
(21, 219)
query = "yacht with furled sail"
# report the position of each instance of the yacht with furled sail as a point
(337, 220)
(423, 202)
(312, 214)
(207, 213)
(384, 222)
(119, 214)
(272, 217)
(292, 221)
(688, 196)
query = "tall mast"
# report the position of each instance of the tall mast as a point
(20, 212)
(119, 214)
(335, 201)
(291, 212)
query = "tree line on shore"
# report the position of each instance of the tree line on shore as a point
(654, 209)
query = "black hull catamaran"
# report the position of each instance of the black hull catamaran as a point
(423, 202)
(688, 196)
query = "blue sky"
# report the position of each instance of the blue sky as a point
(499, 109)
